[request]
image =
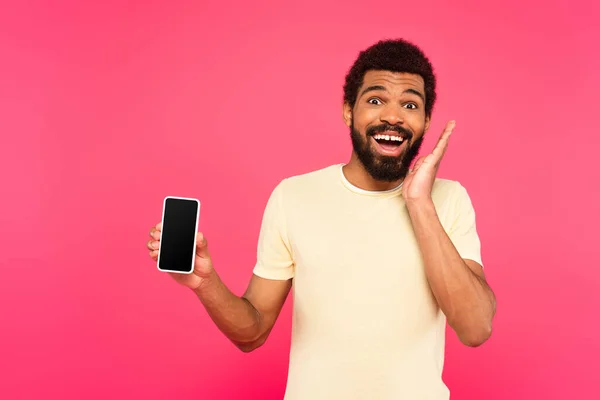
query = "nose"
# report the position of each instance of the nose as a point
(392, 115)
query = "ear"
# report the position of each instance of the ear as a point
(347, 114)
(427, 123)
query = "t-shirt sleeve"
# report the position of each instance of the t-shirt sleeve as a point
(274, 257)
(463, 229)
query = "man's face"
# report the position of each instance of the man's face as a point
(387, 123)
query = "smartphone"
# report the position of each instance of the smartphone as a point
(178, 235)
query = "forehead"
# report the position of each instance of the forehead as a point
(393, 80)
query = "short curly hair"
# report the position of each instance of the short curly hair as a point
(395, 55)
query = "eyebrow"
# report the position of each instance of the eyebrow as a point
(379, 87)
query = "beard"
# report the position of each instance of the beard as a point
(385, 168)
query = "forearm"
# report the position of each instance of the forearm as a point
(235, 316)
(464, 297)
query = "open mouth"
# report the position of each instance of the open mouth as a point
(389, 144)
(388, 140)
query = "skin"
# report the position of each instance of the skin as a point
(396, 104)
(458, 285)
(245, 320)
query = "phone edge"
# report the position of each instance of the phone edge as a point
(195, 234)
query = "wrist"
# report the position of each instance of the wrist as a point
(423, 217)
(207, 282)
(424, 205)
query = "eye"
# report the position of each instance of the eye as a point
(374, 100)
(411, 106)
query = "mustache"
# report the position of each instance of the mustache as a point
(373, 130)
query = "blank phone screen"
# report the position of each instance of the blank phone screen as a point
(177, 244)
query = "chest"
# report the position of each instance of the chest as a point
(343, 249)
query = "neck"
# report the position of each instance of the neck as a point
(357, 175)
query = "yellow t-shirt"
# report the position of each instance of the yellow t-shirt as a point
(365, 323)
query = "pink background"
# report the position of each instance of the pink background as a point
(105, 109)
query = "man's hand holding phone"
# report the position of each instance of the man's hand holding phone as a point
(179, 249)
(203, 267)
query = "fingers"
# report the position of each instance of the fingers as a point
(202, 246)
(442, 144)
(418, 163)
(155, 231)
(443, 140)
(154, 243)
(448, 129)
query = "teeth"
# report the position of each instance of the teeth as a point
(388, 137)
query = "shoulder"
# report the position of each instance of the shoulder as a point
(445, 188)
(449, 191)
(310, 182)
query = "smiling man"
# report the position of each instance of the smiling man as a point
(380, 255)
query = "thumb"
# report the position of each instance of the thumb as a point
(418, 163)
(202, 246)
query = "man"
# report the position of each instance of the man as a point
(380, 256)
